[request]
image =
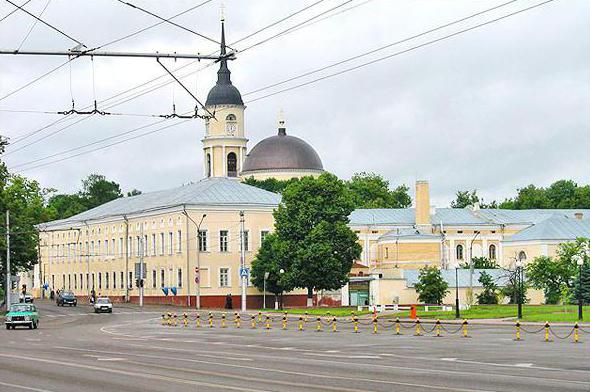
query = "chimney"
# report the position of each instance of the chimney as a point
(579, 215)
(422, 203)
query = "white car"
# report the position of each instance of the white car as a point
(103, 304)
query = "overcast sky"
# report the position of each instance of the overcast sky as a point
(495, 108)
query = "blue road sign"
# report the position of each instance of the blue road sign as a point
(165, 290)
(244, 272)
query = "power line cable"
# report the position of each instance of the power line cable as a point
(33, 26)
(380, 48)
(136, 87)
(169, 22)
(46, 24)
(13, 11)
(400, 52)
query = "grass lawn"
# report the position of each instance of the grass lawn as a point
(338, 312)
(549, 313)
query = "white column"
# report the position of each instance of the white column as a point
(224, 167)
(486, 250)
(452, 253)
(212, 162)
(240, 160)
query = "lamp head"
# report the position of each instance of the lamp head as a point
(281, 271)
(579, 260)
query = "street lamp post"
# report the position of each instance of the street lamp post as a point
(266, 275)
(198, 266)
(281, 272)
(457, 312)
(471, 267)
(519, 284)
(580, 263)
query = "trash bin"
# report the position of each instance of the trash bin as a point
(413, 312)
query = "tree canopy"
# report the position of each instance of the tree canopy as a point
(370, 190)
(431, 286)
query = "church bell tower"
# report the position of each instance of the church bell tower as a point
(224, 144)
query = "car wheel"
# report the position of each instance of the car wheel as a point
(31, 325)
(75, 305)
(95, 311)
(111, 311)
(35, 325)
(13, 326)
(7, 326)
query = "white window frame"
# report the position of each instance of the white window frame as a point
(205, 242)
(226, 241)
(228, 276)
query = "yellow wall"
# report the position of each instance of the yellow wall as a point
(422, 203)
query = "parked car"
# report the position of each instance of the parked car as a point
(22, 314)
(66, 298)
(103, 304)
(25, 298)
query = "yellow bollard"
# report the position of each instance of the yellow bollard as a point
(285, 321)
(305, 318)
(418, 326)
(576, 333)
(259, 317)
(210, 320)
(253, 322)
(164, 320)
(397, 325)
(198, 320)
(223, 320)
(185, 320)
(300, 323)
(319, 324)
(517, 325)
(267, 322)
(175, 322)
(334, 324)
(547, 331)
(438, 335)
(375, 324)
(238, 321)
(465, 328)
(355, 321)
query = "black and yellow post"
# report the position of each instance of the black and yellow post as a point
(198, 320)
(210, 320)
(238, 321)
(355, 323)
(397, 326)
(517, 325)
(223, 320)
(465, 324)
(334, 324)
(375, 320)
(253, 321)
(418, 327)
(169, 319)
(300, 323)
(305, 318)
(185, 320)
(267, 322)
(164, 320)
(319, 324)
(285, 321)
(547, 331)
(175, 319)
(259, 317)
(576, 333)
(437, 328)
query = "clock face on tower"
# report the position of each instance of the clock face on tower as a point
(231, 128)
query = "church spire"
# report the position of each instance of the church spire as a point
(223, 75)
(282, 128)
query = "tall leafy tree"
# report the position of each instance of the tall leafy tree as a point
(550, 275)
(489, 295)
(271, 258)
(370, 190)
(97, 190)
(311, 225)
(431, 286)
(481, 263)
(269, 184)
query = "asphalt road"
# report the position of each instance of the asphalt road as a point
(129, 350)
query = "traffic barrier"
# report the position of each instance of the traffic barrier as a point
(305, 318)
(268, 322)
(198, 322)
(185, 320)
(464, 328)
(253, 322)
(375, 321)
(223, 320)
(517, 325)
(576, 333)
(397, 326)
(418, 327)
(210, 320)
(164, 319)
(334, 324)
(285, 321)
(300, 327)
(259, 317)
(437, 326)
(355, 321)
(547, 331)
(319, 324)
(238, 321)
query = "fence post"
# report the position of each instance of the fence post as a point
(334, 324)
(253, 321)
(267, 322)
(210, 320)
(465, 323)
(223, 320)
(418, 326)
(185, 320)
(576, 333)
(319, 324)
(355, 321)
(438, 335)
(397, 325)
(238, 321)
(198, 320)
(517, 330)
(285, 321)
(164, 321)
(546, 331)
(374, 324)
(300, 323)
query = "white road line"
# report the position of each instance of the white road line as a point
(158, 377)
(6, 384)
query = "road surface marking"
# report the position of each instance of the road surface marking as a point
(526, 365)
(129, 373)
(344, 356)
(23, 387)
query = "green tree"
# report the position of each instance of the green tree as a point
(550, 275)
(271, 258)
(584, 290)
(464, 199)
(269, 184)
(134, 192)
(97, 190)
(370, 190)
(431, 286)
(481, 263)
(63, 206)
(311, 224)
(489, 295)
(512, 289)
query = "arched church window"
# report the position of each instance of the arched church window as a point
(492, 252)
(522, 256)
(459, 252)
(230, 117)
(232, 165)
(208, 165)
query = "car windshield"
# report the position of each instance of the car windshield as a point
(68, 294)
(102, 301)
(20, 308)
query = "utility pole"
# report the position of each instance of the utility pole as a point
(126, 258)
(8, 276)
(243, 276)
(141, 267)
